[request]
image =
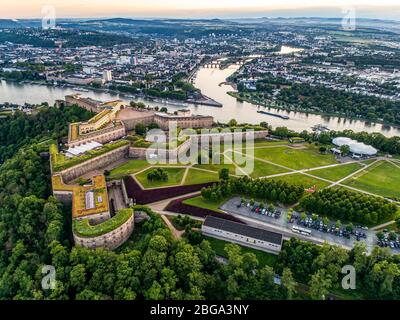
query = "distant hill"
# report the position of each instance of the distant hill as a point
(8, 23)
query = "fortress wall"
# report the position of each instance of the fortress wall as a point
(140, 153)
(63, 196)
(102, 136)
(97, 163)
(130, 124)
(111, 240)
(97, 218)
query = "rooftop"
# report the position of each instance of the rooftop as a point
(177, 116)
(75, 151)
(87, 199)
(99, 116)
(112, 104)
(355, 146)
(83, 228)
(130, 113)
(243, 229)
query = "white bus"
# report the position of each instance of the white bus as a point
(302, 231)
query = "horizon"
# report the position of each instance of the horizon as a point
(180, 9)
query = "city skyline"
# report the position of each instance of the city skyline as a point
(388, 9)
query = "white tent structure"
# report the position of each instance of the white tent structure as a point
(355, 146)
(76, 151)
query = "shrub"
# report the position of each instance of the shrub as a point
(158, 174)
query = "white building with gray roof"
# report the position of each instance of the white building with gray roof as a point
(242, 234)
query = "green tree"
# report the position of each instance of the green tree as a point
(224, 174)
(288, 283)
(140, 129)
(232, 123)
(344, 150)
(319, 285)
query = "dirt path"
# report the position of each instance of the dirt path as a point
(383, 225)
(176, 233)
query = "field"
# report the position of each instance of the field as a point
(129, 167)
(337, 173)
(262, 169)
(381, 179)
(217, 167)
(175, 176)
(301, 179)
(195, 176)
(264, 258)
(295, 158)
(277, 157)
(206, 204)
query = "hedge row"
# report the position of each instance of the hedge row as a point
(148, 196)
(178, 206)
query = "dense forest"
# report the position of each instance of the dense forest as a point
(22, 129)
(21, 38)
(72, 38)
(349, 206)
(320, 98)
(260, 188)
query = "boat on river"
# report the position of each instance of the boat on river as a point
(284, 117)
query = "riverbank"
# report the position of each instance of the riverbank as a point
(204, 100)
(324, 114)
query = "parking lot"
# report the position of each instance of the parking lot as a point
(390, 240)
(278, 217)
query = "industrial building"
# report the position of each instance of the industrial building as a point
(242, 234)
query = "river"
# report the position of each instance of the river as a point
(208, 80)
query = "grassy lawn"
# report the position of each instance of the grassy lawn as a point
(295, 158)
(206, 204)
(266, 143)
(130, 167)
(337, 173)
(195, 176)
(306, 181)
(262, 169)
(175, 176)
(83, 228)
(264, 258)
(269, 143)
(369, 161)
(217, 167)
(382, 179)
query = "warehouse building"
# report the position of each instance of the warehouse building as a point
(242, 234)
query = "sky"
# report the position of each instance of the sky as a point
(15, 9)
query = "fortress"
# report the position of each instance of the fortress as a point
(114, 119)
(101, 213)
